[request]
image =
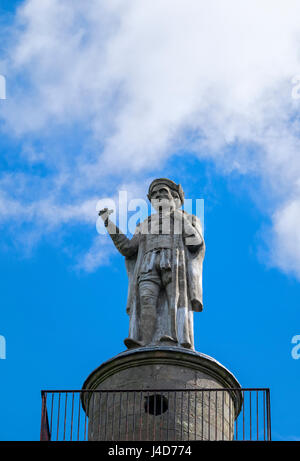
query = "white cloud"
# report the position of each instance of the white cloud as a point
(135, 79)
(99, 254)
(45, 213)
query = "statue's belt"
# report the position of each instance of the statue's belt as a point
(157, 250)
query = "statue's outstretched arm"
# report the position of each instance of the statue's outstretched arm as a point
(125, 246)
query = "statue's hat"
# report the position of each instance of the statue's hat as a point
(171, 184)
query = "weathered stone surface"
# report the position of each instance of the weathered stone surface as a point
(199, 415)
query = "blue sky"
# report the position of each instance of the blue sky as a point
(105, 98)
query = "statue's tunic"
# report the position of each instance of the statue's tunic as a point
(149, 255)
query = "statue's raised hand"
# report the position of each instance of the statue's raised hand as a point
(104, 214)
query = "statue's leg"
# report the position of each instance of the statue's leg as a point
(148, 291)
(166, 276)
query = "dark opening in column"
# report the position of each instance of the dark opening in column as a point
(156, 404)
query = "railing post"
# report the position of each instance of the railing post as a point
(269, 438)
(45, 432)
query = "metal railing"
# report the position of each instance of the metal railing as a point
(167, 414)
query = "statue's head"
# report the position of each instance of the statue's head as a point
(166, 194)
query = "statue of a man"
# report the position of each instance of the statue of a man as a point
(164, 264)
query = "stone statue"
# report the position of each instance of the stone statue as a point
(164, 265)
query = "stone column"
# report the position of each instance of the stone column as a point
(156, 411)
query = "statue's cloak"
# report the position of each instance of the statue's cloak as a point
(175, 321)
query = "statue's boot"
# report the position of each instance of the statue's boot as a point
(132, 343)
(169, 339)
